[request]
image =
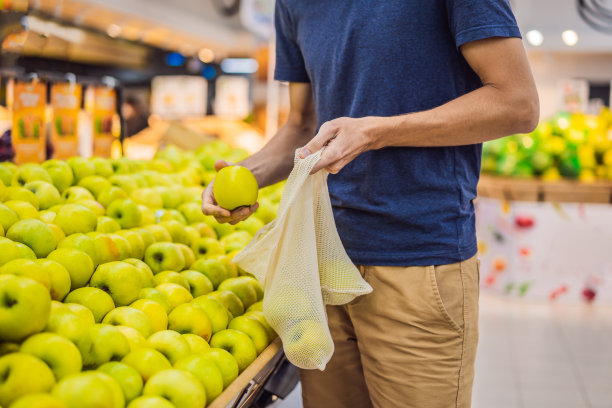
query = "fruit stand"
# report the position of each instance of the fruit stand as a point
(544, 218)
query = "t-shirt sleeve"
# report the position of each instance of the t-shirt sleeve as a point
(289, 60)
(472, 20)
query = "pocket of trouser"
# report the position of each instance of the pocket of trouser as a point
(447, 286)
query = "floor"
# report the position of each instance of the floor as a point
(537, 355)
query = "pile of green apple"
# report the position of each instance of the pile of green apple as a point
(116, 291)
(572, 146)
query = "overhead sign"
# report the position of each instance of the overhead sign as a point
(178, 96)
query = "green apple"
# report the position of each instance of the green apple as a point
(207, 246)
(225, 362)
(205, 230)
(171, 277)
(308, 339)
(266, 211)
(222, 229)
(235, 241)
(81, 168)
(59, 353)
(107, 225)
(147, 361)
(96, 300)
(157, 296)
(187, 318)
(196, 343)
(78, 264)
(27, 269)
(60, 173)
(125, 250)
(171, 196)
(59, 278)
(38, 400)
(131, 317)
(23, 209)
(25, 251)
(229, 300)
(110, 194)
(257, 306)
(127, 377)
(94, 184)
(126, 182)
(192, 236)
(8, 217)
(23, 374)
(82, 312)
(231, 268)
(147, 236)
(57, 231)
(106, 248)
(164, 256)
(137, 247)
(239, 345)
(150, 401)
(176, 230)
(172, 215)
(148, 216)
(20, 194)
(30, 172)
(177, 295)
(7, 348)
(8, 251)
(243, 287)
(24, 308)
(146, 275)
(187, 254)
(199, 284)
(148, 197)
(76, 193)
(120, 280)
(216, 312)
(205, 370)
(156, 314)
(192, 212)
(47, 194)
(258, 314)
(181, 388)
(159, 233)
(170, 344)
(235, 186)
(252, 328)
(67, 324)
(73, 218)
(102, 167)
(107, 344)
(213, 269)
(35, 234)
(125, 212)
(81, 242)
(46, 216)
(93, 205)
(133, 336)
(250, 225)
(6, 174)
(89, 389)
(123, 165)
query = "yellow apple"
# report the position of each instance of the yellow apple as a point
(179, 387)
(59, 278)
(23, 374)
(150, 401)
(35, 234)
(74, 218)
(47, 194)
(170, 344)
(177, 295)
(187, 318)
(8, 251)
(78, 264)
(205, 370)
(131, 317)
(59, 353)
(127, 377)
(120, 280)
(235, 186)
(146, 275)
(96, 300)
(158, 318)
(23, 209)
(238, 344)
(110, 194)
(147, 361)
(196, 343)
(171, 277)
(38, 400)
(133, 336)
(28, 269)
(24, 308)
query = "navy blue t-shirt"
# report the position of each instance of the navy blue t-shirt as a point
(398, 205)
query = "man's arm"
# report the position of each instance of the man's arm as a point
(274, 161)
(507, 103)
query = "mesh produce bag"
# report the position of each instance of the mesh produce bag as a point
(302, 265)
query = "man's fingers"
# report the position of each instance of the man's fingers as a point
(328, 158)
(326, 133)
(219, 164)
(210, 209)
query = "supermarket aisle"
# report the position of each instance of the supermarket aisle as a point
(535, 355)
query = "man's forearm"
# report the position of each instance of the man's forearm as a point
(484, 114)
(274, 161)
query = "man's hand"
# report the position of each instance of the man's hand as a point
(344, 139)
(210, 206)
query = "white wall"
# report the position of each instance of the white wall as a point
(549, 68)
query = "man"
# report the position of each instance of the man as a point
(402, 93)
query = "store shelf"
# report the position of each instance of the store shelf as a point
(252, 378)
(562, 191)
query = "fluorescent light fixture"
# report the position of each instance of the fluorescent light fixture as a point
(535, 38)
(51, 29)
(570, 38)
(239, 65)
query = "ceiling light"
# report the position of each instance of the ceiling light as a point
(570, 37)
(535, 38)
(206, 55)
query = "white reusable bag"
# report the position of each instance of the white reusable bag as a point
(302, 265)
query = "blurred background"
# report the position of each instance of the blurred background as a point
(117, 77)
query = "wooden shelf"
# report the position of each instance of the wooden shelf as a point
(562, 191)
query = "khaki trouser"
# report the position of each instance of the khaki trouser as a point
(411, 343)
